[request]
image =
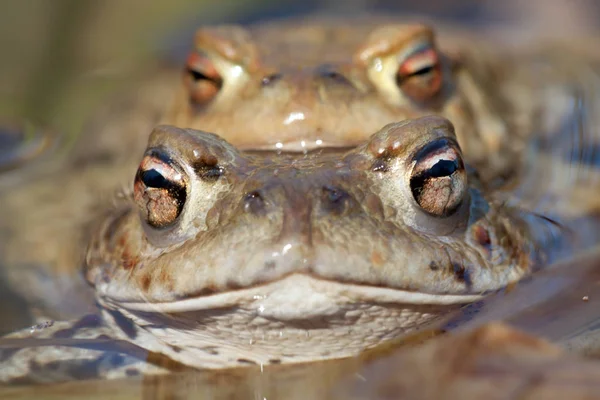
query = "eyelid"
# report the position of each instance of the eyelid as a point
(197, 58)
(438, 145)
(201, 62)
(415, 48)
(430, 161)
(164, 168)
(418, 60)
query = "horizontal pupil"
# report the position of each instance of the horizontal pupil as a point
(442, 168)
(153, 178)
(197, 76)
(423, 71)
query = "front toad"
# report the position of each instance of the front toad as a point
(297, 257)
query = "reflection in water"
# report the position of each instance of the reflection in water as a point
(22, 144)
(562, 167)
(461, 367)
(560, 304)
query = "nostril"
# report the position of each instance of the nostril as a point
(334, 200)
(270, 79)
(333, 75)
(329, 73)
(333, 195)
(254, 203)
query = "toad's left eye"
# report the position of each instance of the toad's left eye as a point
(438, 180)
(419, 73)
(202, 80)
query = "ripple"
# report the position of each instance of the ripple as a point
(23, 143)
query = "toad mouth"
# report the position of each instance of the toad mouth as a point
(294, 289)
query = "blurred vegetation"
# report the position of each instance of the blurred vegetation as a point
(61, 57)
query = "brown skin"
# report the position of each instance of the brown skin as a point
(334, 84)
(280, 246)
(350, 215)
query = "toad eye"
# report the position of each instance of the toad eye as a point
(438, 181)
(160, 191)
(201, 78)
(419, 73)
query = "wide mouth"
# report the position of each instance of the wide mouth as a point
(297, 293)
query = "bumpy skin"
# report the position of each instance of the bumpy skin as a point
(334, 83)
(289, 258)
(346, 216)
(310, 244)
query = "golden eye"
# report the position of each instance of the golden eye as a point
(201, 78)
(159, 190)
(438, 181)
(419, 74)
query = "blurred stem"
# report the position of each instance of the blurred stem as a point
(58, 62)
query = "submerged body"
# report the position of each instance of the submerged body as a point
(326, 211)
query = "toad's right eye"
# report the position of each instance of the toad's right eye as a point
(160, 191)
(419, 73)
(438, 180)
(201, 78)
